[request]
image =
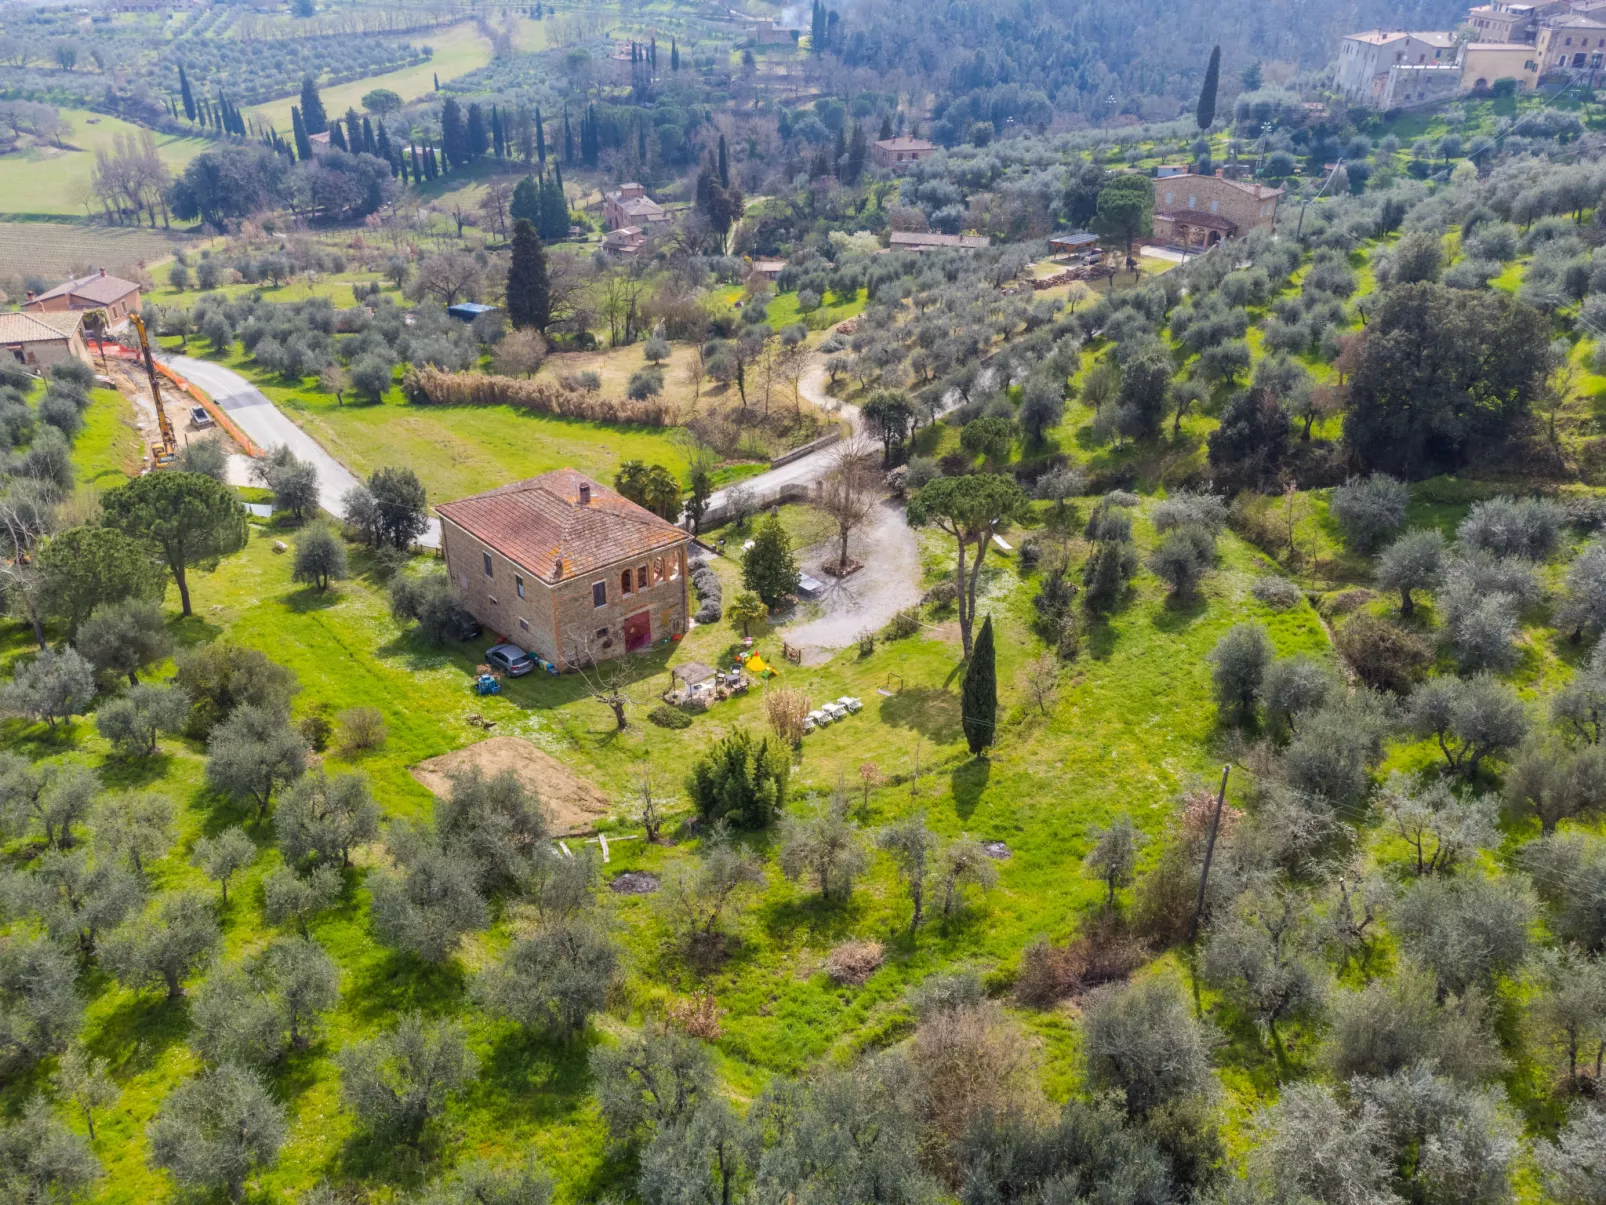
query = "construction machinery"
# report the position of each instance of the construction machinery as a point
(167, 448)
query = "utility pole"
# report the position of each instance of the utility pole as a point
(1210, 850)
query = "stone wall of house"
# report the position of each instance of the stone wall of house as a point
(1213, 195)
(552, 621)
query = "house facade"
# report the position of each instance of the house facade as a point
(1571, 43)
(97, 291)
(1201, 211)
(566, 568)
(1364, 59)
(39, 340)
(630, 206)
(892, 153)
(1484, 62)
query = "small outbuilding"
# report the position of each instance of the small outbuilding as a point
(467, 311)
(39, 340)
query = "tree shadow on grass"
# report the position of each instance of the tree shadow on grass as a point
(927, 710)
(968, 781)
(134, 773)
(399, 983)
(36, 739)
(135, 1034)
(818, 919)
(1099, 640)
(380, 1159)
(1179, 613)
(309, 599)
(527, 1078)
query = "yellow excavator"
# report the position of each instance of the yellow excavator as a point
(168, 448)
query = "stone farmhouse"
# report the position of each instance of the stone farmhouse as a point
(566, 568)
(630, 206)
(1200, 211)
(37, 341)
(97, 291)
(892, 153)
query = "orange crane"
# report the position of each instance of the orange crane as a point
(168, 448)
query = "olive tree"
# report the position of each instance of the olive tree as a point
(1114, 856)
(1262, 956)
(914, 849)
(294, 899)
(1369, 509)
(399, 1082)
(323, 817)
(137, 827)
(125, 637)
(51, 687)
(252, 1013)
(215, 1129)
(553, 980)
(1571, 1164)
(224, 854)
(74, 897)
(1469, 931)
(1291, 687)
(433, 900)
(164, 946)
(253, 753)
(1411, 563)
(1141, 1039)
(42, 1160)
(134, 720)
(40, 1008)
(1470, 719)
(46, 801)
(826, 845)
(1240, 659)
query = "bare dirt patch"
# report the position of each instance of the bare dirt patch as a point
(573, 802)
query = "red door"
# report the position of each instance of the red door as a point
(638, 631)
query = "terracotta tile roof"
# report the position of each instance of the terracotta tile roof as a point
(541, 522)
(97, 287)
(912, 238)
(35, 328)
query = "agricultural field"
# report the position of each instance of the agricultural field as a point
(53, 250)
(54, 182)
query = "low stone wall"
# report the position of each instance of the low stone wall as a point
(825, 441)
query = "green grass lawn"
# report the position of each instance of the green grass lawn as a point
(46, 180)
(457, 450)
(1128, 731)
(109, 448)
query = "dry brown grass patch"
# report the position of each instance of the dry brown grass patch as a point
(853, 962)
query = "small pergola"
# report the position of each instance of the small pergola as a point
(689, 674)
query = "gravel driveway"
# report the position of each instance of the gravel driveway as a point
(889, 582)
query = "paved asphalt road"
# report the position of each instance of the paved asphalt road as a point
(258, 417)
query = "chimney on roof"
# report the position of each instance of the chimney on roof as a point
(31, 294)
(557, 566)
(585, 493)
(103, 271)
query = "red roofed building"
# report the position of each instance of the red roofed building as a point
(97, 291)
(566, 568)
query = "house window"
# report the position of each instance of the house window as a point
(624, 582)
(1192, 201)
(518, 584)
(1168, 198)
(1214, 206)
(462, 581)
(524, 625)
(658, 569)
(491, 598)
(487, 557)
(641, 577)
(599, 594)
(674, 568)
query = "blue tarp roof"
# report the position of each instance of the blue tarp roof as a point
(469, 310)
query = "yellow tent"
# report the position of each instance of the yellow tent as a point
(755, 665)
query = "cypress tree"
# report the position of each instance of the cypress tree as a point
(568, 137)
(437, 81)
(886, 127)
(858, 148)
(529, 295)
(674, 55)
(312, 114)
(557, 175)
(1206, 115)
(526, 202)
(652, 53)
(553, 223)
(497, 141)
(540, 138)
(337, 137)
(454, 135)
(354, 133)
(298, 129)
(368, 142)
(184, 91)
(978, 700)
(724, 164)
(641, 141)
(474, 138)
(840, 154)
